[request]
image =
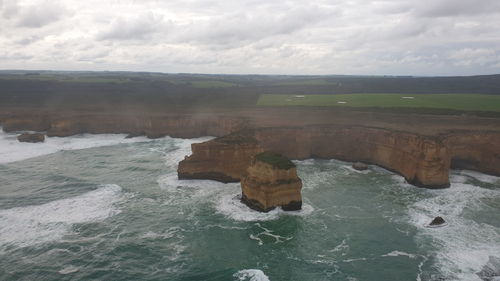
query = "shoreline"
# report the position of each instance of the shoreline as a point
(422, 148)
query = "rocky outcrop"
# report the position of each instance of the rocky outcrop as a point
(31, 137)
(437, 221)
(223, 159)
(271, 181)
(479, 151)
(359, 166)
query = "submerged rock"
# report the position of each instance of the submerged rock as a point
(360, 166)
(271, 181)
(31, 137)
(134, 135)
(437, 221)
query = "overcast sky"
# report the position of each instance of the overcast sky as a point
(398, 37)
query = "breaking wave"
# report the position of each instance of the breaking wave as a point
(250, 275)
(30, 225)
(464, 245)
(11, 150)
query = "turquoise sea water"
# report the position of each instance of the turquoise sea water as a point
(106, 208)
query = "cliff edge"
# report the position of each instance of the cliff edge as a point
(223, 159)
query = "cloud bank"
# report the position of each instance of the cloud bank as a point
(396, 37)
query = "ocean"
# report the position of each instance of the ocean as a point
(102, 207)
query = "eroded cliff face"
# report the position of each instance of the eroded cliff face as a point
(479, 151)
(183, 126)
(423, 161)
(265, 187)
(29, 123)
(223, 159)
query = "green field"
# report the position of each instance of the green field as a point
(462, 102)
(212, 84)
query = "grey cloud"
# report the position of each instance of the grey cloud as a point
(27, 40)
(133, 28)
(40, 14)
(252, 25)
(475, 56)
(449, 8)
(16, 56)
(255, 36)
(9, 8)
(392, 7)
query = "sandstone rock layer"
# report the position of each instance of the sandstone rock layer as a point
(223, 159)
(423, 161)
(266, 185)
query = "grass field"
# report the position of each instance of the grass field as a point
(462, 102)
(212, 84)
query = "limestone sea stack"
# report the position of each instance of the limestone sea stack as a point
(223, 159)
(31, 137)
(271, 181)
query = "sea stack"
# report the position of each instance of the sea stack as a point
(223, 159)
(31, 137)
(271, 181)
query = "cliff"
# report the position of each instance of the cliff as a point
(174, 125)
(271, 181)
(223, 159)
(479, 151)
(423, 161)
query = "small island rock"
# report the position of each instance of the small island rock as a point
(271, 181)
(437, 221)
(31, 137)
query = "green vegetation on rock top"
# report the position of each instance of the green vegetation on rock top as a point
(275, 159)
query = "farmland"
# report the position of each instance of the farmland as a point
(461, 102)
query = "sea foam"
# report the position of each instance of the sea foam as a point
(11, 150)
(30, 225)
(250, 275)
(230, 206)
(463, 246)
(182, 148)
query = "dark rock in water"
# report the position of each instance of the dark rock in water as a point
(133, 135)
(360, 166)
(31, 137)
(152, 135)
(437, 221)
(491, 271)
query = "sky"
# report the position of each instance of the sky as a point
(362, 37)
